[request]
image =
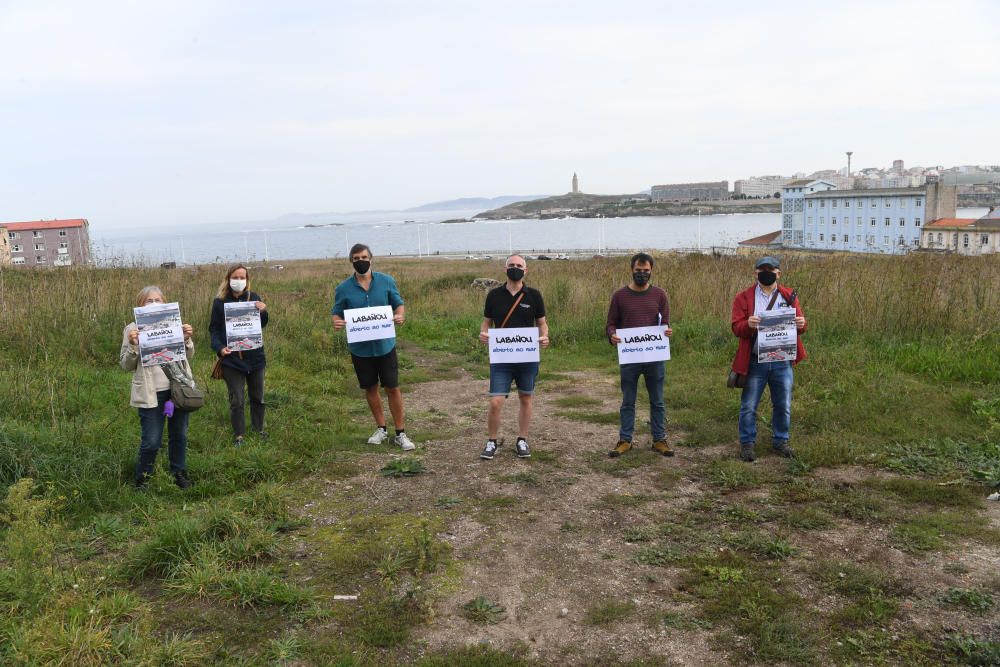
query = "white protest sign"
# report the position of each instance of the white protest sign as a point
(642, 345)
(243, 330)
(514, 345)
(373, 323)
(776, 336)
(161, 338)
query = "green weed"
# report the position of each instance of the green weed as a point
(483, 612)
(402, 467)
(970, 650)
(978, 602)
(608, 611)
(624, 499)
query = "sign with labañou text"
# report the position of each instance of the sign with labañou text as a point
(514, 345)
(641, 345)
(373, 323)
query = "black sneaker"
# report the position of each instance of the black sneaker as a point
(746, 452)
(142, 483)
(490, 450)
(782, 449)
(522, 449)
(181, 480)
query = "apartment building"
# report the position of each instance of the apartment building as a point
(885, 220)
(45, 243)
(685, 192)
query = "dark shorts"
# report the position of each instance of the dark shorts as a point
(382, 370)
(502, 375)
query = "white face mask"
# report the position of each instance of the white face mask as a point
(237, 285)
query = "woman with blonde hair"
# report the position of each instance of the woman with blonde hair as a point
(240, 367)
(150, 396)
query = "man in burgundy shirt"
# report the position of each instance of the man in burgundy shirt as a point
(640, 304)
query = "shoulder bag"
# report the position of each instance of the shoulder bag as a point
(183, 391)
(739, 380)
(511, 311)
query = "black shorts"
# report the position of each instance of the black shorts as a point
(382, 370)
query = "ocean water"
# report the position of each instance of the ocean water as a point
(425, 234)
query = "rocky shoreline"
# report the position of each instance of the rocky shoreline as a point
(579, 205)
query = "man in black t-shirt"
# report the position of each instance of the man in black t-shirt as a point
(512, 305)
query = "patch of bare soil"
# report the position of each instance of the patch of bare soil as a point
(544, 538)
(552, 547)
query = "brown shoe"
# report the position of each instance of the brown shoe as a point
(622, 447)
(661, 447)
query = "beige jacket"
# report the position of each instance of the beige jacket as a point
(146, 379)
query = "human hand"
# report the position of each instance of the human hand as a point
(668, 332)
(188, 331)
(484, 336)
(260, 305)
(398, 319)
(133, 337)
(339, 323)
(615, 339)
(225, 351)
(800, 322)
(753, 321)
(544, 341)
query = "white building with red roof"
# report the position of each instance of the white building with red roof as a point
(965, 236)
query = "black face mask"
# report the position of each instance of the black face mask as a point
(640, 278)
(362, 266)
(767, 278)
(515, 274)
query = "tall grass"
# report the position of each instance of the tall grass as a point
(66, 419)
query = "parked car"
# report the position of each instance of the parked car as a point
(544, 257)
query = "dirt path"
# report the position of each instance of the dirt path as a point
(546, 537)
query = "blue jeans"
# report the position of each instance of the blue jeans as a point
(778, 376)
(654, 373)
(523, 374)
(151, 421)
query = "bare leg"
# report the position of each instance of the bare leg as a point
(524, 415)
(395, 397)
(375, 405)
(493, 416)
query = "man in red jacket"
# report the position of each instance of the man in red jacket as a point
(765, 295)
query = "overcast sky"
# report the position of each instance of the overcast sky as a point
(188, 111)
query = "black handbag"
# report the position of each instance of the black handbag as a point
(736, 380)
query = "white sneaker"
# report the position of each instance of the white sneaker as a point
(378, 437)
(404, 442)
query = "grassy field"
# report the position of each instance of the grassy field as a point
(896, 423)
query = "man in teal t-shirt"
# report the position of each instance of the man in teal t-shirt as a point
(375, 361)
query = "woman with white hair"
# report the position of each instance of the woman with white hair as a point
(150, 396)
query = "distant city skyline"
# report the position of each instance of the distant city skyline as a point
(205, 112)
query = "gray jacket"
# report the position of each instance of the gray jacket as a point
(144, 378)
